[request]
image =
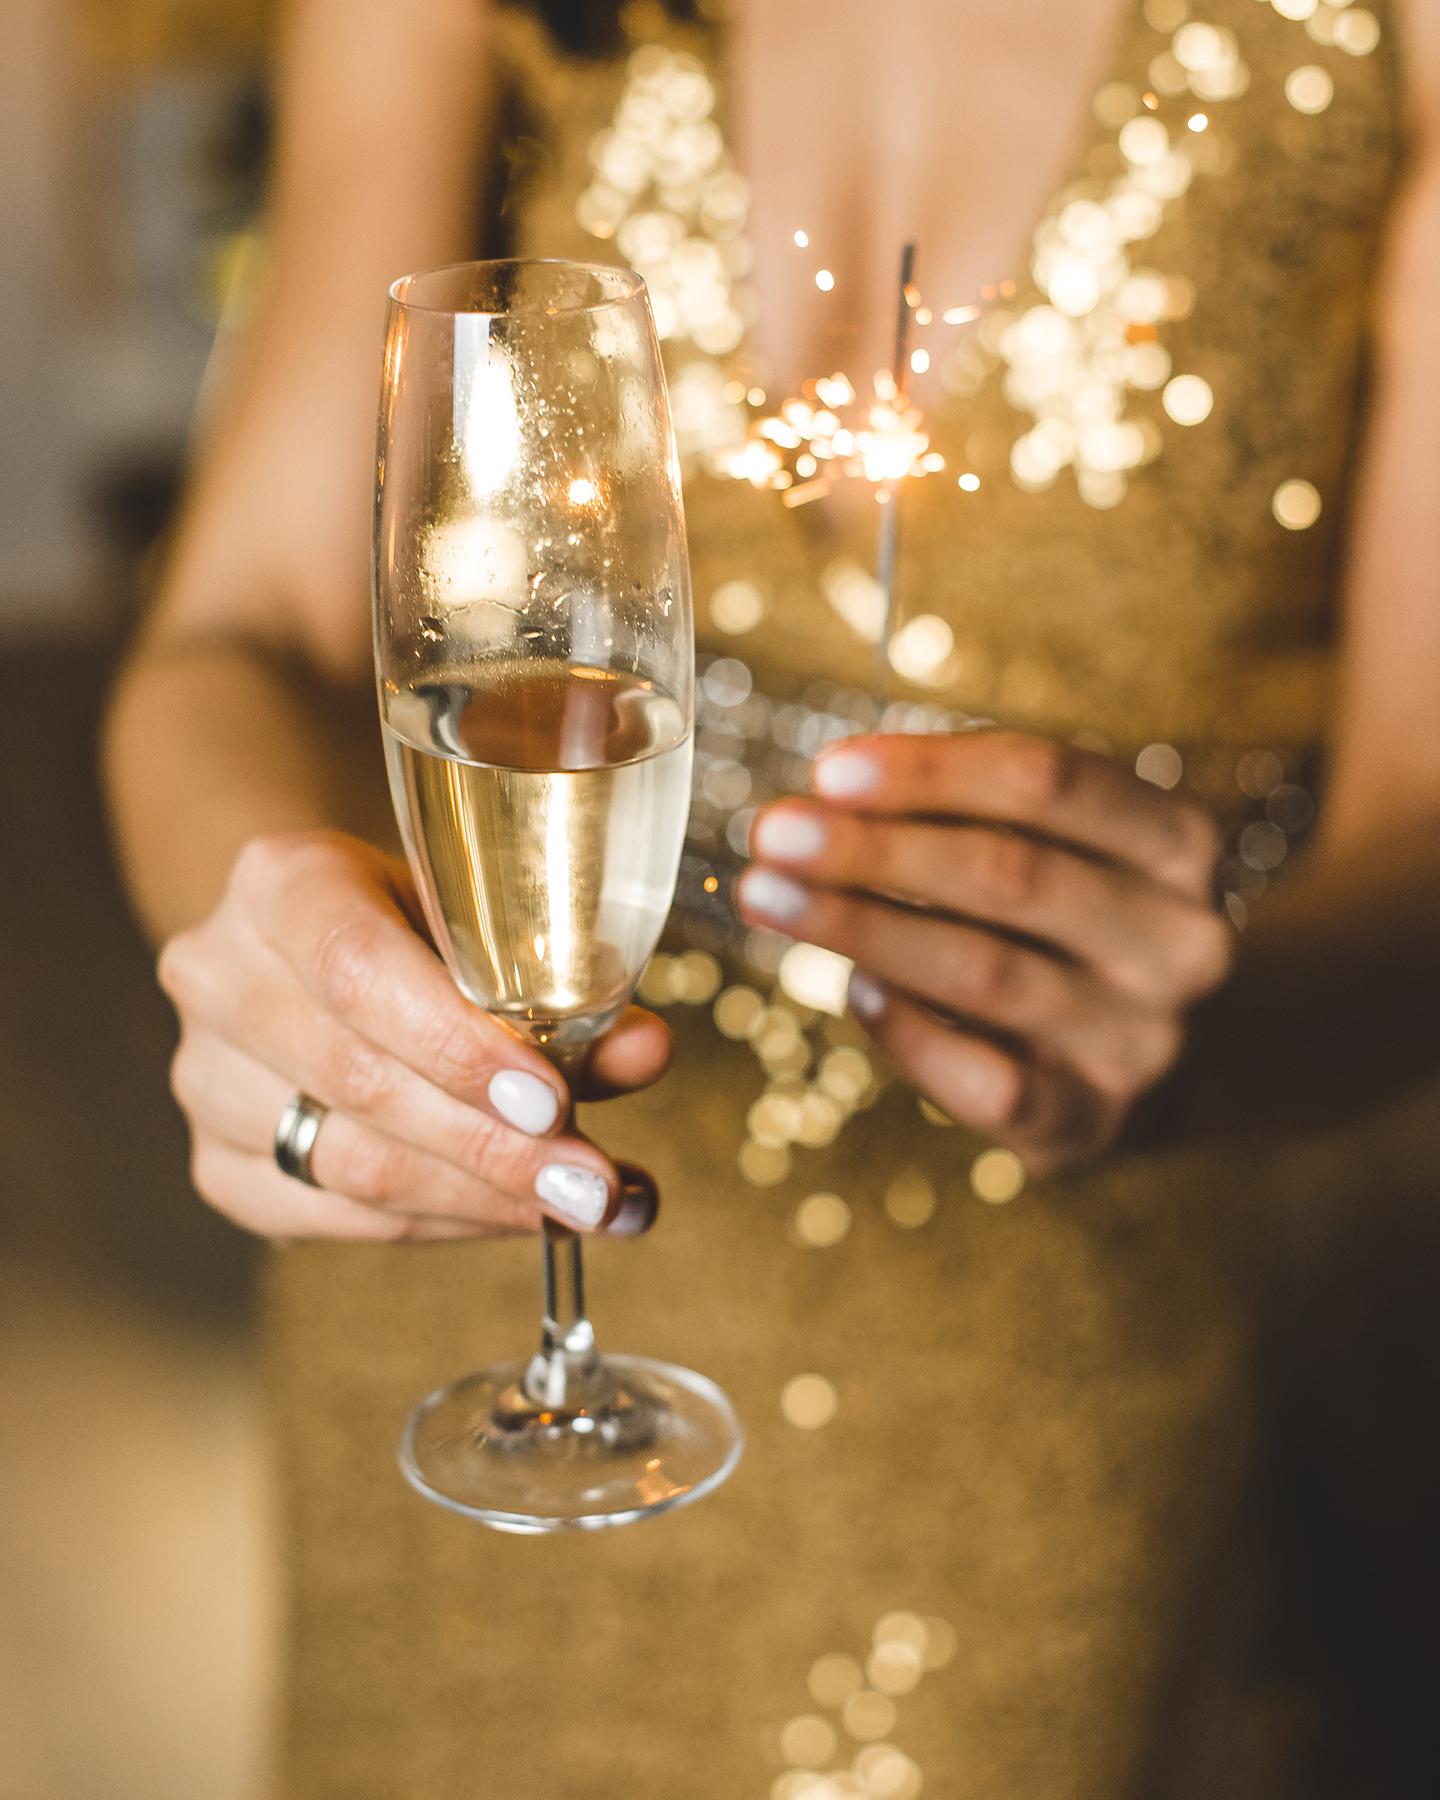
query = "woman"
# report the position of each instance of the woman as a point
(993, 1452)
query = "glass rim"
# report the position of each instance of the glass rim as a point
(634, 286)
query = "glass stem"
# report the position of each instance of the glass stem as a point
(562, 1375)
(564, 1372)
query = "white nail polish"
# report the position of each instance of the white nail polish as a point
(792, 836)
(524, 1101)
(867, 997)
(774, 895)
(844, 773)
(578, 1195)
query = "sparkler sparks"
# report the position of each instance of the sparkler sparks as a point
(827, 433)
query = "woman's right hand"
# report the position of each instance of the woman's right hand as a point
(313, 976)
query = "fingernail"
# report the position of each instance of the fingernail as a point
(637, 1206)
(766, 892)
(843, 773)
(792, 836)
(579, 1195)
(524, 1101)
(867, 997)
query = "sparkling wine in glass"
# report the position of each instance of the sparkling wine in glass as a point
(535, 663)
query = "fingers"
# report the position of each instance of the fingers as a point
(356, 954)
(1043, 1113)
(1145, 939)
(633, 1053)
(253, 1193)
(1010, 987)
(235, 1100)
(310, 977)
(269, 1016)
(1048, 787)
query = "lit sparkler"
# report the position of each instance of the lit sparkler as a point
(827, 433)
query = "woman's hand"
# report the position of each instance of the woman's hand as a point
(311, 976)
(1029, 922)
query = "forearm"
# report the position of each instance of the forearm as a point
(1332, 1006)
(212, 740)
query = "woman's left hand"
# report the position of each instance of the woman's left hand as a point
(1029, 922)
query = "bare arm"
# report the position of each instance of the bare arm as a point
(290, 948)
(226, 722)
(1336, 992)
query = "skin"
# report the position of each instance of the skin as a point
(1031, 927)
(1056, 922)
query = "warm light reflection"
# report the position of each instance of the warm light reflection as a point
(1296, 504)
(809, 1401)
(490, 421)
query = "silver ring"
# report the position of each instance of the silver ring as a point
(295, 1137)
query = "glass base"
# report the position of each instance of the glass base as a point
(655, 1436)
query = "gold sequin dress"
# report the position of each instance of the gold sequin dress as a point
(995, 1433)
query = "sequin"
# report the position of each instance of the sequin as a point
(1263, 845)
(921, 648)
(844, 1074)
(833, 1679)
(763, 1165)
(1357, 32)
(809, 1402)
(1257, 772)
(808, 1741)
(1309, 89)
(997, 1176)
(1160, 764)
(941, 1643)
(910, 1200)
(888, 1773)
(737, 1010)
(1296, 504)
(1188, 399)
(821, 1220)
(868, 1715)
(895, 1667)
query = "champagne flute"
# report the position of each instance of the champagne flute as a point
(535, 664)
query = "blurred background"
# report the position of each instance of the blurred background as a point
(136, 1611)
(138, 1617)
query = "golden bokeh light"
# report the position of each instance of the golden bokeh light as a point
(910, 1200)
(763, 1165)
(1357, 32)
(833, 1679)
(737, 1011)
(1309, 89)
(1160, 764)
(895, 1667)
(997, 1176)
(1296, 504)
(809, 1401)
(941, 1643)
(821, 1220)
(807, 1741)
(736, 607)
(868, 1716)
(1187, 399)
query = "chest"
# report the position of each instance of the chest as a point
(947, 123)
(1173, 335)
